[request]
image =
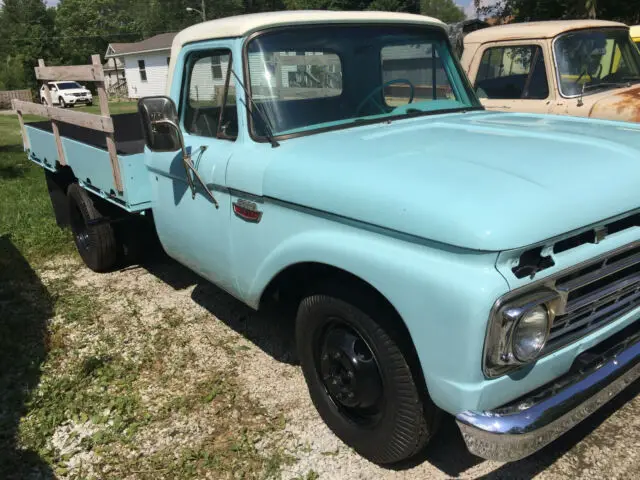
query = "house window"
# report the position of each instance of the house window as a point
(143, 71)
(216, 67)
(514, 72)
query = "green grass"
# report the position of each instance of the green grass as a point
(114, 107)
(25, 209)
(60, 365)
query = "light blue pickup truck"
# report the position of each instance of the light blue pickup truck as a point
(442, 258)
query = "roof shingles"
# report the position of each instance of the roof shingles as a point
(161, 41)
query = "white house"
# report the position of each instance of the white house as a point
(145, 64)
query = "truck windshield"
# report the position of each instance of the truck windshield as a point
(68, 85)
(593, 60)
(324, 77)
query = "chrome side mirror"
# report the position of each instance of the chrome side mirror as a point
(162, 133)
(160, 124)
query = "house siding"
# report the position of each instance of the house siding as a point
(157, 71)
(202, 85)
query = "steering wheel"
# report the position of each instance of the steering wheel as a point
(586, 72)
(382, 87)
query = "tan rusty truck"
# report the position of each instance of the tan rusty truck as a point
(586, 68)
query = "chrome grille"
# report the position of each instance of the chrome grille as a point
(596, 295)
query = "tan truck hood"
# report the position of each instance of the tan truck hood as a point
(622, 104)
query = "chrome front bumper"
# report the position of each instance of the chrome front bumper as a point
(523, 427)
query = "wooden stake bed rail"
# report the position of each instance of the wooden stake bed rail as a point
(101, 123)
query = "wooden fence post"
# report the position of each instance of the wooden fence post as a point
(54, 124)
(25, 139)
(104, 111)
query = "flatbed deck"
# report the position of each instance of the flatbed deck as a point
(128, 133)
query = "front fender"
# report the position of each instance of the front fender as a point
(443, 294)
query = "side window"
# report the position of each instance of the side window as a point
(516, 72)
(143, 70)
(416, 67)
(210, 109)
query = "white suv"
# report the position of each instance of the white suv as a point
(67, 94)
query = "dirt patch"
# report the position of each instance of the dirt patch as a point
(188, 382)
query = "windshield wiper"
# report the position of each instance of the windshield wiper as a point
(605, 84)
(265, 120)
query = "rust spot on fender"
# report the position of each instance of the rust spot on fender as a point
(624, 106)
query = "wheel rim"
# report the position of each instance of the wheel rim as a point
(80, 230)
(349, 371)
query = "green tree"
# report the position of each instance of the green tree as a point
(25, 27)
(529, 10)
(445, 10)
(85, 27)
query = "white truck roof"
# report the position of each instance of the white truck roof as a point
(533, 30)
(241, 25)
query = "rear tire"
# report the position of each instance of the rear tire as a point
(382, 412)
(43, 101)
(96, 244)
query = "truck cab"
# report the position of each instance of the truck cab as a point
(586, 68)
(440, 258)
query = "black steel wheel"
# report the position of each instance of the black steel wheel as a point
(360, 376)
(96, 243)
(349, 372)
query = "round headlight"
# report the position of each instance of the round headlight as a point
(530, 334)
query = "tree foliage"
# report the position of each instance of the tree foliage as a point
(24, 25)
(529, 10)
(75, 29)
(445, 10)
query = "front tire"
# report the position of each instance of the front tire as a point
(96, 243)
(359, 376)
(63, 104)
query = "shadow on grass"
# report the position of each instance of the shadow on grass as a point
(274, 334)
(9, 172)
(25, 308)
(13, 148)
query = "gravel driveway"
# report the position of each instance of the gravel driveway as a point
(606, 445)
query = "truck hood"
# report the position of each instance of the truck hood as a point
(480, 180)
(619, 104)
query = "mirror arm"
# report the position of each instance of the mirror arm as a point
(186, 160)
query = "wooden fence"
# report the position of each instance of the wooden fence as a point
(101, 123)
(8, 95)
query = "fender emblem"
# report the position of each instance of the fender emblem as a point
(247, 210)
